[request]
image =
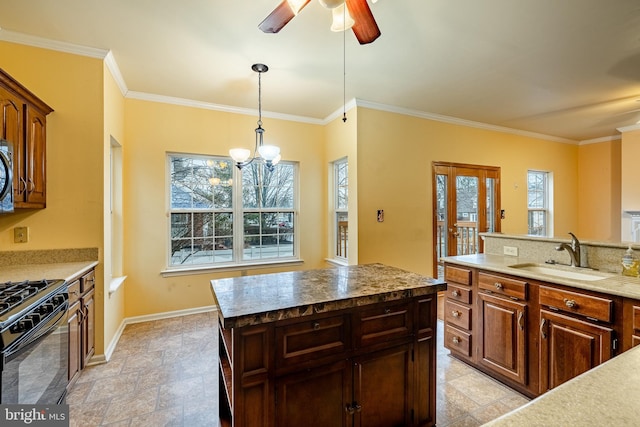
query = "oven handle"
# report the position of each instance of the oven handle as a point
(52, 324)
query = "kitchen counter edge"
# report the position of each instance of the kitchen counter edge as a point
(53, 271)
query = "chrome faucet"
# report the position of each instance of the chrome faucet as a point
(573, 249)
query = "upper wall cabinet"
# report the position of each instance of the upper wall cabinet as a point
(23, 122)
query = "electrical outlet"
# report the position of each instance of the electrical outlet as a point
(21, 234)
(510, 250)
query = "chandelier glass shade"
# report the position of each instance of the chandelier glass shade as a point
(269, 154)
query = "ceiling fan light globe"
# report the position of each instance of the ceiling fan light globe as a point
(239, 155)
(269, 152)
(342, 20)
(331, 4)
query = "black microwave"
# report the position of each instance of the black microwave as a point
(6, 176)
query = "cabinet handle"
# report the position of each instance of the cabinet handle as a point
(316, 326)
(455, 313)
(520, 320)
(570, 303)
(498, 286)
(357, 406)
(542, 334)
(23, 185)
(32, 186)
(455, 293)
(350, 409)
(387, 310)
(455, 340)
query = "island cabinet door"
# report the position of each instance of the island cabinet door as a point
(569, 347)
(503, 339)
(315, 397)
(382, 388)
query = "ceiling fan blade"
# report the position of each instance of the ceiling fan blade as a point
(280, 16)
(365, 29)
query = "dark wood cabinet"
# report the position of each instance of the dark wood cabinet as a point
(370, 366)
(503, 340)
(81, 322)
(569, 347)
(23, 123)
(459, 312)
(631, 324)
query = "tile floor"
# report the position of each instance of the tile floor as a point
(163, 373)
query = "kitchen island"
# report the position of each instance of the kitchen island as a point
(341, 346)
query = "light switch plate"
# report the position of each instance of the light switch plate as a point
(21, 234)
(510, 250)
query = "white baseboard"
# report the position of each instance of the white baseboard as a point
(103, 358)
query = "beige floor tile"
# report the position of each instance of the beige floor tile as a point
(164, 373)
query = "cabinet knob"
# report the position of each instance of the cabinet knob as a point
(387, 310)
(455, 313)
(498, 286)
(316, 326)
(455, 293)
(570, 303)
(455, 340)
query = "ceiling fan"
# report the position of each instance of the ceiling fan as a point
(357, 16)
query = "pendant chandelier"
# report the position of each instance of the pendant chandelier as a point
(269, 154)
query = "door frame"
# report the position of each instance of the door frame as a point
(483, 172)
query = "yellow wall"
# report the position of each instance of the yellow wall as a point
(599, 191)
(630, 193)
(394, 158)
(153, 129)
(112, 309)
(73, 86)
(341, 141)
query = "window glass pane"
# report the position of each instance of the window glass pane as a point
(342, 185)
(490, 205)
(538, 202)
(537, 223)
(202, 190)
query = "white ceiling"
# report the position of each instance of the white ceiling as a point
(564, 68)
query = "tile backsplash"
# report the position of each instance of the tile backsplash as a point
(598, 255)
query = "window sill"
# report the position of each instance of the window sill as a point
(184, 271)
(115, 284)
(336, 261)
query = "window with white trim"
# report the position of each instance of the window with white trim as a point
(223, 216)
(341, 206)
(539, 203)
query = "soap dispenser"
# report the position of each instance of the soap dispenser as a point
(630, 264)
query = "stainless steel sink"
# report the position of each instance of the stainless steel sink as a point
(563, 272)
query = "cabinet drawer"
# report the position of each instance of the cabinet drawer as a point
(571, 302)
(457, 274)
(457, 314)
(311, 339)
(457, 340)
(87, 281)
(383, 323)
(458, 293)
(636, 318)
(74, 291)
(500, 285)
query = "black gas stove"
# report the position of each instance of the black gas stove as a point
(24, 305)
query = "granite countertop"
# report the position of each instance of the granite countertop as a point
(609, 284)
(606, 395)
(252, 300)
(51, 271)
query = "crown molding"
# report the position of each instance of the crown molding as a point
(113, 68)
(143, 96)
(629, 128)
(462, 122)
(602, 139)
(15, 37)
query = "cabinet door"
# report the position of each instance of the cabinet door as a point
(11, 130)
(35, 157)
(569, 347)
(382, 388)
(503, 339)
(88, 327)
(73, 322)
(315, 397)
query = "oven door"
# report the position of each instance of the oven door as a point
(6, 177)
(35, 367)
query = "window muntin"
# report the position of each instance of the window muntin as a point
(538, 203)
(211, 218)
